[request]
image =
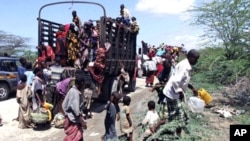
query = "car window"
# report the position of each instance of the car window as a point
(8, 65)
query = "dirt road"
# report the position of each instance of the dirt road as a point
(10, 130)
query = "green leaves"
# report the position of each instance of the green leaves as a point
(226, 22)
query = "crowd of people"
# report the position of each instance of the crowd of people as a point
(173, 77)
(173, 81)
(163, 63)
(74, 99)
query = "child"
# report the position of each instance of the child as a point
(29, 73)
(109, 122)
(150, 119)
(87, 99)
(22, 95)
(125, 118)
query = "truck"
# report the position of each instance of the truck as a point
(121, 52)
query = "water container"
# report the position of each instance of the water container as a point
(204, 95)
(196, 104)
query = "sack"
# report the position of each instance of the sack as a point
(196, 104)
(59, 120)
(39, 117)
(59, 123)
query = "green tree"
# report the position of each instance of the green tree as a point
(228, 21)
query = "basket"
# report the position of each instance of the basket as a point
(40, 117)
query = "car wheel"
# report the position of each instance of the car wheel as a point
(4, 91)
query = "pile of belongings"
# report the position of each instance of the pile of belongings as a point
(226, 111)
(58, 120)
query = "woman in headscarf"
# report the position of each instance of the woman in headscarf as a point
(23, 94)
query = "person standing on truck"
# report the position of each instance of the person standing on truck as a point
(134, 26)
(124, 14)
(61, 49)
(72, 43)
(134, 29)
(76, 20)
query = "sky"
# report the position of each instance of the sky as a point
(161, 21)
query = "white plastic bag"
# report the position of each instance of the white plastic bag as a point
(196, 104)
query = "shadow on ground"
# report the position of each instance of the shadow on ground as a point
(42, 127)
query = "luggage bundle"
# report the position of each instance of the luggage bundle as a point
(40, 117)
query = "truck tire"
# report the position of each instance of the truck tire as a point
(132, 85)
(109, 85)
(105, 90)
(132, 82)
(4, 91)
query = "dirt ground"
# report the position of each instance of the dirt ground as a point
(10, 130)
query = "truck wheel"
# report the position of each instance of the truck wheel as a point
(132, 85)
(105, 90)
(4, 91)
(132, 82)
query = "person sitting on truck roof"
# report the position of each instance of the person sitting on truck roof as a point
(76, 20)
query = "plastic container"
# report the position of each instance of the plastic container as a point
(204, 95)
(196, 104)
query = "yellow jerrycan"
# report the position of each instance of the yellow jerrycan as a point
(204, 95)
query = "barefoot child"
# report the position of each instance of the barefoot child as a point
(125, 121)
(150, 119)
(111, 115)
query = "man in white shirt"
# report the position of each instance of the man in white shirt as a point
(175, 90)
